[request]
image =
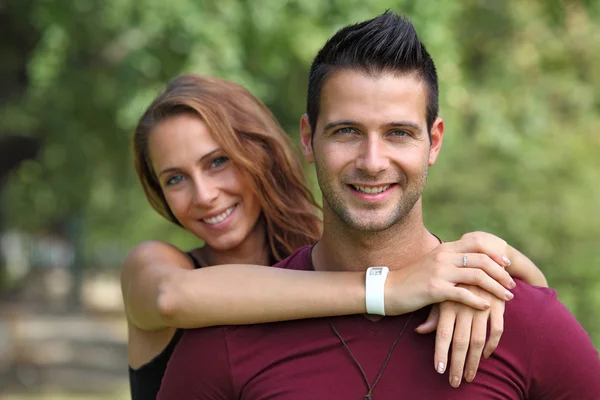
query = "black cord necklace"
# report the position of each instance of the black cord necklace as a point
(369, 394)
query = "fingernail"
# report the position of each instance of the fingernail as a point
(506, 261)
(470, 376)
(508, 295)
(486, 305)
(512, 284)
(455, 381)
(441, 368)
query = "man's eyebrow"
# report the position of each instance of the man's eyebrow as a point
(171, 169)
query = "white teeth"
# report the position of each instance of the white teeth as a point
(220, 217)
(371, 190)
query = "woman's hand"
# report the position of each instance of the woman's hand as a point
(436, 276)
(470, 296)
(466, 328)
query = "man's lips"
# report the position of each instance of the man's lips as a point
(371, 189)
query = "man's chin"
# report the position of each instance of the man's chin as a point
(372, 222)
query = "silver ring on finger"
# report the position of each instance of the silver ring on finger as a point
(465, 260)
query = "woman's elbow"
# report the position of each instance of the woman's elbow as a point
(168, 304)
(179, 306)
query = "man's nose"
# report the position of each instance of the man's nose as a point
(373, 157)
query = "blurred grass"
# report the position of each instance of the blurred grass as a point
(120, 394)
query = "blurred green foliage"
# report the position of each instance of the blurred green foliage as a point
(519, 85)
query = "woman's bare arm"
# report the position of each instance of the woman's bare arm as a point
(523, 268)
(162, 289)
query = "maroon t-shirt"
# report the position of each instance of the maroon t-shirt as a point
(544, 354)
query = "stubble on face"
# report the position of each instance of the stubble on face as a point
(367, 219)
(371, 104)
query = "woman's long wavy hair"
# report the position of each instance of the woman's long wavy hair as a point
(250, 136)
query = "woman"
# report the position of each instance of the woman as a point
(212, 159)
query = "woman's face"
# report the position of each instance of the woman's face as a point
(203, 189)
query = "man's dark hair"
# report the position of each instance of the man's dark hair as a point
(387, 43)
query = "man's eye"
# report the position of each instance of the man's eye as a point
(219, 161)
(400, 133)
(346, 131)
(174, 180)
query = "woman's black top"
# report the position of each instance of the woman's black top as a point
(145, 380)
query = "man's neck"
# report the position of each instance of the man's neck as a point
(345, 249)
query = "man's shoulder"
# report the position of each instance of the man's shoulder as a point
(537, 315)
(534, 293)
(552, 346)
(531, 303)
(299, 260)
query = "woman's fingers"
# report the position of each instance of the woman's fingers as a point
(478, 334)
(496, 328)
(486, 264)
(431, 322)
(443, 336)
(466, 297)
(477, 277)
(484, 243)
(460, 345)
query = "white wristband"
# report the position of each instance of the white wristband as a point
(374, 294)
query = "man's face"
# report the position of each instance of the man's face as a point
(371, 148)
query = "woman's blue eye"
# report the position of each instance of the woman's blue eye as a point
(219, 161)
(174, 180)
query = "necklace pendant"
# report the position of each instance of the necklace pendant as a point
(368, 397)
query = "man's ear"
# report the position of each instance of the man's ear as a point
(437, 136)
(306, 139)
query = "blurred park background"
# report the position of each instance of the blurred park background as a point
(519, 83)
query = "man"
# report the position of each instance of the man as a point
(372, 130)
